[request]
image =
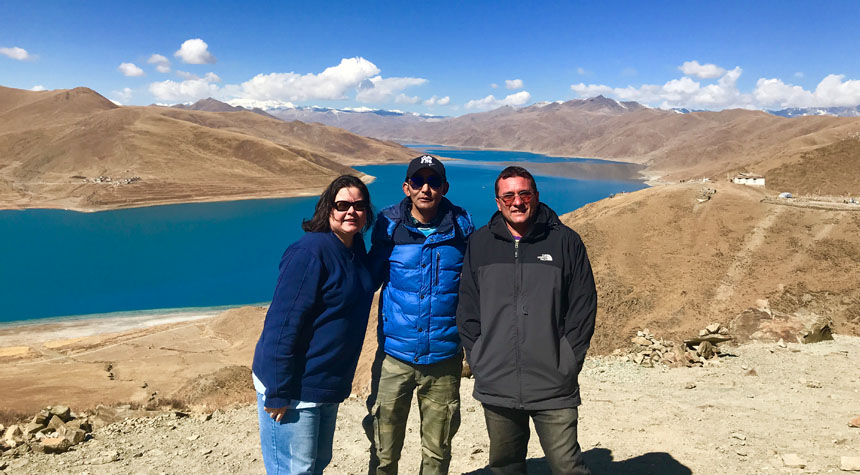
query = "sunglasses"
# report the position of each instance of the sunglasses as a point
(417, 182)
(525, 195)
(343, 206)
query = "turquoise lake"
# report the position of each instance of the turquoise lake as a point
(62, 263)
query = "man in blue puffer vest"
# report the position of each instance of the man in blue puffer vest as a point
(418, 248)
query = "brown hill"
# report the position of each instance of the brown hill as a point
(667, 262)
(55, 145)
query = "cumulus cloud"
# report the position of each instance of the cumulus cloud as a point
(122, 97)
(195, 51)
(379, 89)
(702, 71)
(490, 102)
(437, 101)
(404, 99)
(162, 64)
(16, 53)
(38, 87)
(130, 69)
(331, 84)
(832, 91)
(188, 90)
(681, 92)
(513, 84)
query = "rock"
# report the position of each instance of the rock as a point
(816, 328)
(851, 464)
(55, 422)
(13, 433)
(641, 341)
(712, 339)
(781, 343)
(75, 436)
(713, 328)
(63, 412)
(55, 445)
(751, 372)
(690, 386)
(31, 429)
(706, 350)
(639, 358)
(41, 417)
(854, 422)
(79, 423)
(793, 461)
(107, 457)
(703, 332)
(739, 436)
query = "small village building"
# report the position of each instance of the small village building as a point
(748, 179)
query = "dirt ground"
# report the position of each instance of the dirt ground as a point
(634, 420)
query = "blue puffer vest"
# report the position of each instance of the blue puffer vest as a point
(418, 305)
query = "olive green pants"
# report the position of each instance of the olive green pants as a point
(438, 389)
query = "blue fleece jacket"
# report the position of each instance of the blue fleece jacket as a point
(315, 325)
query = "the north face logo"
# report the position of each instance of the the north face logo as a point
(545, 258)
(427, 159)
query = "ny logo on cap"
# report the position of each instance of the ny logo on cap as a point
(427, 159)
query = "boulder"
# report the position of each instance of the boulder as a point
(55, 422)
(55, 445)
(31, 429)
(13, 433)
(854, 422)
(850, 464)
(793, 461)
(63, 412)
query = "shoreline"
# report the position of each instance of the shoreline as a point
(21, 333)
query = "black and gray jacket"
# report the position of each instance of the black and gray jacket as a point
(526, 313)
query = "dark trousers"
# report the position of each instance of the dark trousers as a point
(509, 439)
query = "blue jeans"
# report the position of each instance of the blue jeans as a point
(301, 443)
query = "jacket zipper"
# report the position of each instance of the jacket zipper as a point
(517, 277)
(438, 265)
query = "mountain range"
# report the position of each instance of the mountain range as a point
(76, 149)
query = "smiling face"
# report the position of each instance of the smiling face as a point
(425, 199)
(346, 224)
(520, 213)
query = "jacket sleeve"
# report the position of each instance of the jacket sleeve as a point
(294, 306)
(380, 251)
(582, 300)
(469, 305)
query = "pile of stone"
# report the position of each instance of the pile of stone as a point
(705, 194)
(52, 430)
(700, 349)
(649, 351)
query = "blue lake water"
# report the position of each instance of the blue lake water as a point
(61, 263)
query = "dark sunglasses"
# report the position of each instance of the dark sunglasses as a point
(417, 182)
(525, 195)
(344, 206)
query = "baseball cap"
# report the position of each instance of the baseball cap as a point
(425, 161)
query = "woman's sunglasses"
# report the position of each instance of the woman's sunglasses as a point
(417, 182)
(344, 206)
(525, 195)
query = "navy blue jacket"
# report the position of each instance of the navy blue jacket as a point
(421, 279)
(315, 326)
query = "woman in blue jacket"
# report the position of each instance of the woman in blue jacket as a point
(307, 353)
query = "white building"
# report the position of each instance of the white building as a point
(748, 179)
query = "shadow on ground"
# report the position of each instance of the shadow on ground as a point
(600, 461)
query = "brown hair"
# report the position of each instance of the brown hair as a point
(514, 171)
(319, 221)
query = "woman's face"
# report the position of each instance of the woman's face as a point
(351, 221)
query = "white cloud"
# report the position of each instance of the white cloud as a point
(188, 90)
(404, 99)
(265, 105)
(122, 97)
(494, 86)
(331, 84)
(682, 92)
(162, 64)
(832, 91)
(130, 69)
(703, 71)
(16, 53)
(186, 75)
(195, 51)
(440, 101)
(379, 89)
(38, 87)
(513, 83)
(490, 102)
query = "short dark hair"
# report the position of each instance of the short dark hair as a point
(513, 171)
(319, 221)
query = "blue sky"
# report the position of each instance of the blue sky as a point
(447, 58)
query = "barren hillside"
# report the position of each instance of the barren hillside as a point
(56, 144)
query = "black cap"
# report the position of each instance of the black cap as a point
(425, 161)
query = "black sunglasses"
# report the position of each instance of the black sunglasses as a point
(344, 206)
(525, 195)
(417, 182)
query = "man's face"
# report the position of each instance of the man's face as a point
(517, 201)
(424, 197)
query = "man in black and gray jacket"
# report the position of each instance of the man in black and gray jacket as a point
(526, 317)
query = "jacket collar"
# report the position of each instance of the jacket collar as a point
(545, 221)
(444, 216)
